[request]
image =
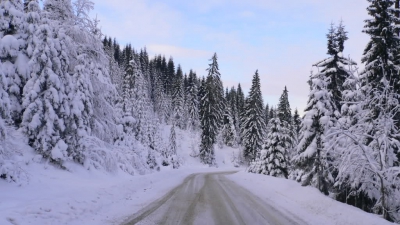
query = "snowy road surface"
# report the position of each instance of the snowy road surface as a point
(211, 198)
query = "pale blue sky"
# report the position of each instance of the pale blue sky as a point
(280, 38)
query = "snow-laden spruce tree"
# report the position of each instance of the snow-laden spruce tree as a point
(178, 99)
(12, 43)
(252, 121)
(284, 110)
(192, 102)
(368, 131)
(285, 117)
(44, 95)
(160, 99)
(273, 159)
(170, 155)
(81, 110)
(336, 67)
(240, 102)
(209, 121)
(310, 162)
(211, 108)
(127, 98)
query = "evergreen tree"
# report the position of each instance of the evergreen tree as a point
(81, 106)
(252, 124)
(336, 67)
(296, 123)
(192, 101)
(178, 99)
(14, 60)
(170, 76)
(127, 98)
(284, 111)
(218, 89)
(311, 165)
(44, 95)
(172, 154)
(240, 100)
(211, 112)
(273, 160)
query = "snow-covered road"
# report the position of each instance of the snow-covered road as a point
(211, 198)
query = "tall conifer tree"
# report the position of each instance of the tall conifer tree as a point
(252, 121)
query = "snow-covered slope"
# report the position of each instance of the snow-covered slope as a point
(48, 195)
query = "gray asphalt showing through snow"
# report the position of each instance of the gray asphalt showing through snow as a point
(211, 198)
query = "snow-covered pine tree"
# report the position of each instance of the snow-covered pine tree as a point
(173, 156)
(311, 165)
(127, 99)
(252, 121)
(141, 104)
(273, 159)
(170, 76)
(235, 112)
(240, 103)
(218, 89)
(161, 99)
(336, 67)
(81, 108)
(192, 102)
(284, 110)
(209, 124)
(285, 118)
(211, 106)
(44, 94)
(12, 43)
(178, 99)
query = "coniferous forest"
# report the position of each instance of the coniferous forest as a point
(77, 96)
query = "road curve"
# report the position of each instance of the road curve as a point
(211, 198)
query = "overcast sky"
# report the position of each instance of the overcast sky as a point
(280, 38)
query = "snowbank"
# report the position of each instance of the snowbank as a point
(306, 202)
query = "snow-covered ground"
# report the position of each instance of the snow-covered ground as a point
(305, 202)
(80, 196)
(83, 197)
